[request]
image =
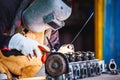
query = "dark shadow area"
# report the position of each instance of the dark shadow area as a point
(82, 9)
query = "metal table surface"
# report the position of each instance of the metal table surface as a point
(101, 77)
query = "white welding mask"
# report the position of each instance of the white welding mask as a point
(44, 14)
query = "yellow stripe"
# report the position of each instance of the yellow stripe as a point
(99, 5)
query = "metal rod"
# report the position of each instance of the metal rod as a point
(51, 47)
(82, 27)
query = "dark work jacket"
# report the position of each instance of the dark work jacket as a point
(8, 9)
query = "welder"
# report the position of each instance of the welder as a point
(24, 26)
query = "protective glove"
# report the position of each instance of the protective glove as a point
(3, 76)
(66, 48)
(27, 46)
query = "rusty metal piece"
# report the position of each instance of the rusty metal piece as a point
(113, 67)
(56, 64)
(85, 55)
(91, 55)
(79, 56)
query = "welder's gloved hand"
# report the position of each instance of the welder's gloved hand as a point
(66, 48)
(27, 46)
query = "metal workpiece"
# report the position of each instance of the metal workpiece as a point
(102, 66)
(85, 56)
(56, 64)
(72, 57)
(79, 56)
(91, 55)
(112, 67)
(70, 73)
(69, 67)
(76, 69)
(98, 69)
(84, 71)
(89, 69)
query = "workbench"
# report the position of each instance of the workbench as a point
(101, 77)
(41, 76)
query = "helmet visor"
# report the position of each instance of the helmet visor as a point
(68, 2)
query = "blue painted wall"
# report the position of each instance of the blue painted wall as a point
(111, 31)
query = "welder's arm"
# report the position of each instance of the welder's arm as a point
(4, 40)
(27, 46)
(54, 39)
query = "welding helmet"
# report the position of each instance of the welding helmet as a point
(44, 14)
